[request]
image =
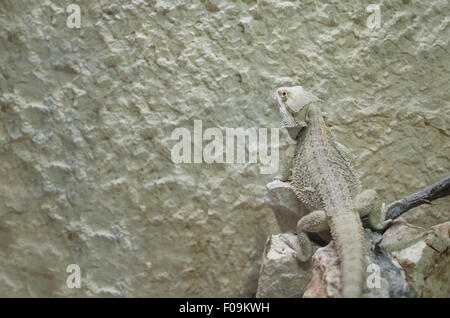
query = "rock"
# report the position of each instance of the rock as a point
(423, 254)
(392, 278)
(326, 280)
(399, 234)
(281, 275)
(385, 277)
(287, 208)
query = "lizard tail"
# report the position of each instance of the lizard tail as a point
(347, 232)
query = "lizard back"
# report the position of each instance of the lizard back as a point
(322, 178)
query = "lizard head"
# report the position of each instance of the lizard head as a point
(294, 98)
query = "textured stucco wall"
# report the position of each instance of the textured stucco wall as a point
(87, 115)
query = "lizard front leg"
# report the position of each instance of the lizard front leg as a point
(367, 204)
(314, 222)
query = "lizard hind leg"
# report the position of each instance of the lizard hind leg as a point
(368, 204)
(314, 222)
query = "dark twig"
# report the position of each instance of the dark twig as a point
(425, 196)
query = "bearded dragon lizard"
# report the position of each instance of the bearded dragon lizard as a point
(323, 179)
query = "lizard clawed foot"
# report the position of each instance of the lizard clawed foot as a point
(377, 220)
(304, 248)
(367, 204)
(392, 205)
(298, 255)
(281, 178)
(302, 124)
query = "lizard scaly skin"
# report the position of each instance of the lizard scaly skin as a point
(324, 180)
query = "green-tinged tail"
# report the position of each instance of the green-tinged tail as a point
(346, 229)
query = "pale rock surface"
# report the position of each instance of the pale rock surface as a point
(281, 275)
(424, 255)
(86, 117)
(325, 281)
(281, 199)
(385, 279)
(411, 262)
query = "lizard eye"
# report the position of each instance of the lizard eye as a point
(283, 95)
